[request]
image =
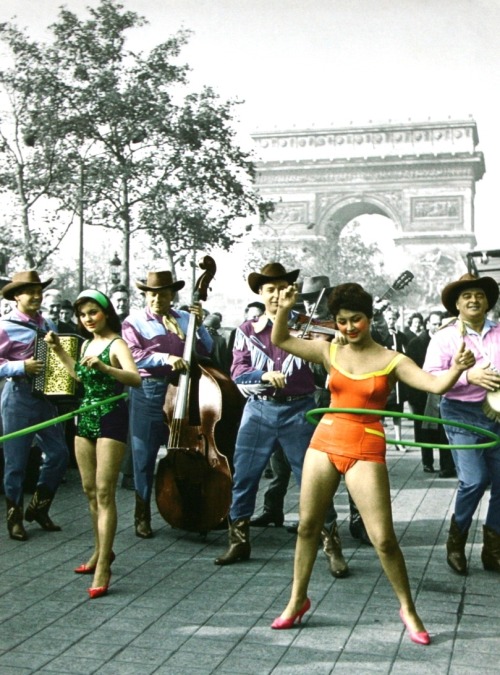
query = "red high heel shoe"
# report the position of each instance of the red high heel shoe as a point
(280, 624)
(99, 591)
(420, 637)
(90, 569)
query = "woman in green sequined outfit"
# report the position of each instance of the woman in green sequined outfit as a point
(104, 367)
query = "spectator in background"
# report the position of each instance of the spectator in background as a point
(65, 323)
(219, 353)
(416, 350)
(414, 326)
(51, 304)
(120, 299)
(396, 341)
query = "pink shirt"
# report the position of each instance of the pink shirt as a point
(444, 345)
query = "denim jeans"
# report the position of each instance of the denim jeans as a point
(148, 431)
(264, 424)
(20, 409)
(476, 469)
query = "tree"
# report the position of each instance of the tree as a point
(30, 152)
(114, 139)
(210, 183)
(341, 259)
(158, 164)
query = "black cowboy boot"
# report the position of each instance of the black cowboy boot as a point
(266, 518)
(15, 521)
(142, 518)
(38, 509)
(356, 524)
(490, 555)
(333, 551)
(455, 547)
(239, 543)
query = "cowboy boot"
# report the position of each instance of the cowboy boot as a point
(142, 518)
(239, 543)
(490, 555)
(455, 547)
(333, 551)
(38, 509)
(15, 521)
(266, 518)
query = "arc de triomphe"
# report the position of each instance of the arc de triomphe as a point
(420, 175)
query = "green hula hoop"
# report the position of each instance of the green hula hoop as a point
(61, 418)
(312, 414)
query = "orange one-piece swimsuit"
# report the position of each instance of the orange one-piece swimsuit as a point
(349, 437)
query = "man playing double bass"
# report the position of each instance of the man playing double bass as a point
(156, 338)
(279, 390)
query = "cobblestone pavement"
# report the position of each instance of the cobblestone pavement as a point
(171, 610)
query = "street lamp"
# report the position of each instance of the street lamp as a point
(115, 270)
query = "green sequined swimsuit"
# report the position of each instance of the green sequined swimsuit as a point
(98, 386)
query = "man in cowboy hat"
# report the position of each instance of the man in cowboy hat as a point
(469, 299)
(156, 337)
(21, 409)
(279, 390)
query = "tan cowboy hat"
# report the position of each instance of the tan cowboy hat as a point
(450, 293)
(273, 271)
(157, 281)
(312, 286)
(20, 279)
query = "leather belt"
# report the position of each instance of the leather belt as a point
(281, 399)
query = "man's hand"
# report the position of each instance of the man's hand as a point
(275, 378)
(33, 367)
(484, 377)
(177, 363)
(52, 339)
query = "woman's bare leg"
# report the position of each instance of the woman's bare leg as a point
(320, 480)
(368, 484)
(109, 457)
(85, 453)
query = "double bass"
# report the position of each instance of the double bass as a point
(203, 412)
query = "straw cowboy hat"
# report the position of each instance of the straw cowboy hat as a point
(273, 271)
(157, 281)
(312, 286)
(450, 293)
(20, 279)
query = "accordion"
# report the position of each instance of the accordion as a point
(54, 379)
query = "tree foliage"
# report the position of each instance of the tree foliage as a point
(341, 259)
(131, 150)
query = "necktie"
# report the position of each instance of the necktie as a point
(171, 324)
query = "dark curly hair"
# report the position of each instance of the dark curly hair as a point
(350, 296)
(111, 316)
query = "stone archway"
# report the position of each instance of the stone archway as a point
(422, 176)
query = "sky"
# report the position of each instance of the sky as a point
(324, 63)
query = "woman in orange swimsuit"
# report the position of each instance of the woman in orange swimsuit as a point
(362, 374)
